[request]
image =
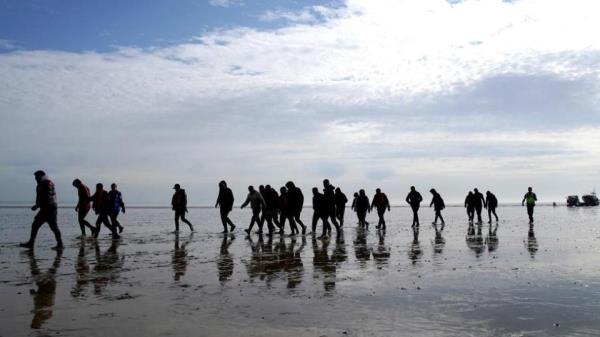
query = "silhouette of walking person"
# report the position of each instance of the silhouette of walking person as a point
(102, 207)
(438, 205)
(285, 209)
(478, 203)
(381, 203)
(329, 193)
(83, 206)
(530, 198)
(414, 199)
(45, 201)
(492, 203)
(340, 205)
(362, 208)
(179, 205)
(117, 206)
(271, 209)
(225, 202)
(257, 203)
(319, 212)
(296, 202)
(470, 206)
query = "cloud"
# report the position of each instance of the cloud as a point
(226, 3)
(7, 44)
(372, 92)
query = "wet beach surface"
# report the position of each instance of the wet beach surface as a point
(501, 280)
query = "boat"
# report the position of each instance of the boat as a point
(587, 200)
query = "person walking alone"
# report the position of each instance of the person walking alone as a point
(179, 205)
(45, 201)
(530, 198)
(438, 205)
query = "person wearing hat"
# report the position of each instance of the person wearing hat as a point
(179, 204)
(45, 201)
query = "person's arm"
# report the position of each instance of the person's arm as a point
(523, 202)
(420, 197)
(442, 203)
(408, 198)
(431, 203)
(534, 197)
(173, 202)
(466, 200)
(246, 202)
(373, 203)
(122, 202)
(185, 201)
(484, 201)
(218, 199)
(368, 209)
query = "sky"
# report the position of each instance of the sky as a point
(499, 95)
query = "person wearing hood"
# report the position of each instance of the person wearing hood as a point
(479, 203)
(225, 202)
(470, 206)
(179, 205)
(257, 203)
(492, 203)
(45, 201)
(340, 205)
(438, 205)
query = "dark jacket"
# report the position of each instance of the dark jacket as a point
(437, 202)
(414, 198)
(362, 203)
(380, 201)
(225, 199)
(179, 200)
(271, 200)
(45, 193)
(319, 203)
(329, 194)
(101, 202)
(340, 200)
(478, 200)
(296, 199)
(492, 201)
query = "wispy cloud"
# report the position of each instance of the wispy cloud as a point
(226, 3)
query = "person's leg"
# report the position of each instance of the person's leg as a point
(54, 228)
(261, 222)
(38, 221)
(299, 221)
(177, 215)
(293, 226)
(228, 220)
(478, 209)
(115, 222)
(84, 223)
(98, 225)
(333, 220)
(341, 212)
(530, 212)
(315, 220)
(111, 227)
(490, 215)
(224, 220)
(441, 218)
(183, 218)
(326, 226)
(382, 218)
(495, 215)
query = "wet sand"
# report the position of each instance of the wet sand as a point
(501, 280)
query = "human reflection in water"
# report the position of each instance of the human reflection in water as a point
(43, 296)
(474, 239)
(415, 252)
(82, 271)
(180, 259)
(361, 250)
(108, 266)
(324, 265)
(439, 242)
(225, 261)
(532, 244)
(381, 253)
(491, 239)
(293, 265)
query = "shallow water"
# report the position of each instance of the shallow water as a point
(503, 281)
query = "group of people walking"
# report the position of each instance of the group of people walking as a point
(266, 203)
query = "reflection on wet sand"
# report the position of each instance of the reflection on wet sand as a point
(108, 266)
(381, 253)
(43, 296)
(180, 259)
(225, 261)
(324, 265)
(415, 252)
(439, 242)
(361, 251)
(491, 240)
(532, 244)
(82, 271)
(293, 263)
(474, 239)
